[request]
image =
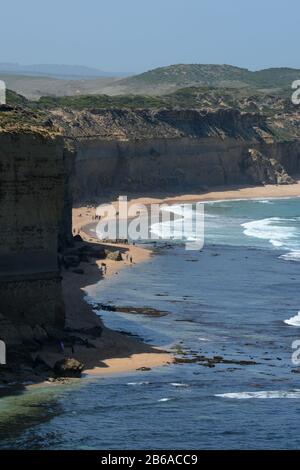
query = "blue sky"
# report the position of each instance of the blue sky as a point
(137, 35)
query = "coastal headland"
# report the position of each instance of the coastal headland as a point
(76, 160)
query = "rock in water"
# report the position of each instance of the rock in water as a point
(68, 367)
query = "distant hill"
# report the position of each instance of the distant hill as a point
(13, 98)
(157, 82)
(167, 79)
(33, 87)
(58, 71)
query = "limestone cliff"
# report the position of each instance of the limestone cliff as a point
(174, 150)
(33, 190)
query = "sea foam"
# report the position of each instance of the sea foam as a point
(175, 384)
(291, 256)
(261, 395)
(294, 321)
(138, 383)
(272, 229)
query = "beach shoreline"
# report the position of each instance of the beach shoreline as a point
(113, 352)
(220, 193)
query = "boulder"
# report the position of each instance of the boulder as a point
(68, 367)
(114, 255)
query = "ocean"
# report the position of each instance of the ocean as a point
(232, 318)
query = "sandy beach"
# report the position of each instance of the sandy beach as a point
(114, 352)
(220, 193)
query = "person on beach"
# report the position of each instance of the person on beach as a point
(130, 259)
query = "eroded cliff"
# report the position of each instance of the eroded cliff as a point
(175, 150)
(34, 199)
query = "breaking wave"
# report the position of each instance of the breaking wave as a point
(291, 256)
(281, 233)
(294, 321)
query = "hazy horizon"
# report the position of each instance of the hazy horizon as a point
(135, 36)
(128, 73)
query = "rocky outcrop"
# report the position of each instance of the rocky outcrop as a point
(114, 255)
(262, 169)
(68, 367)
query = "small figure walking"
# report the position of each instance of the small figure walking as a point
(130, 259)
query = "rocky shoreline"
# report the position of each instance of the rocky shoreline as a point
(84, 344)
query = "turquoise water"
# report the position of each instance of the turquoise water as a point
(239, 299)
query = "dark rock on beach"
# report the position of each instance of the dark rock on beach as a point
(68, 367)
(114, 255)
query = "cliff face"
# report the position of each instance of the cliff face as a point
(120, 151)
(174, 150)
(156, 165)
(33, 168)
